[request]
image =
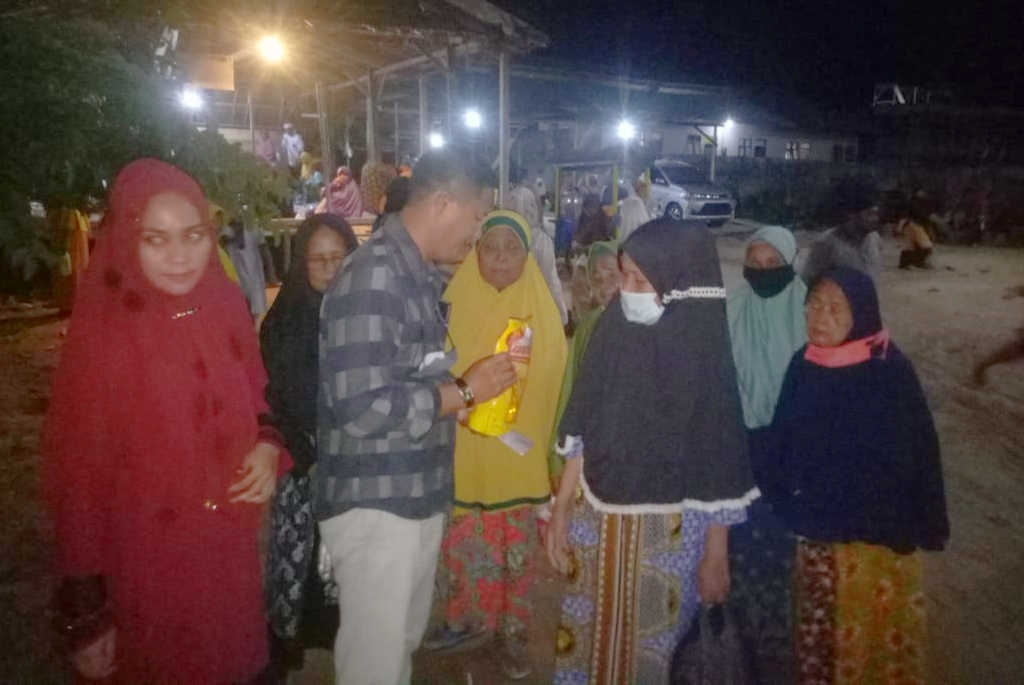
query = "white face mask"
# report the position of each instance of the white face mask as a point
(642, 308)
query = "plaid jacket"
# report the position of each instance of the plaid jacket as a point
(381, 443)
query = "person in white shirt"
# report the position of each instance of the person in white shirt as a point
(292, 146)
(632, 215)
(522, 200)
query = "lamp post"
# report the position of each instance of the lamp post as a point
(626, 131)
(473, 119)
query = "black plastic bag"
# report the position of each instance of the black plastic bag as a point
(712, 652)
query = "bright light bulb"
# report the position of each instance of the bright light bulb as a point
(626, 130)
(728, 123)
(271, 49)
(474, 119)
(436, 140)
(191, 99)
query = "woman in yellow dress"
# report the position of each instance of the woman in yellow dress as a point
(492, 540)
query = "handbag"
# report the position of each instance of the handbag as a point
(712, 652)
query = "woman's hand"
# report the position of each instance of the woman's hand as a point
(557, 542)
(96, 660)
(258, 475)
(713, 570)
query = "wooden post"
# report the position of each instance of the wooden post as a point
(448, 106)
(326, 148)
(424, 123)
(503, 126)
(714, 153)
(371, 107)
(398, 159)
(252, 123)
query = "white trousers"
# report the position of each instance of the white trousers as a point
(384, 566)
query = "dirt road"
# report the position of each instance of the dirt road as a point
(944, 319)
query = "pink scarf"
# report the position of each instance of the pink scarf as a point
(848, 354)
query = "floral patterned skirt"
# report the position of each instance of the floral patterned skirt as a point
(631, 593)
(487, 569)
(860, 615)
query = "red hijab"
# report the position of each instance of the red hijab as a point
(156, 397)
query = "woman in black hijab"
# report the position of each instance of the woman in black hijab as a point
(289, 339)
(854, 470)
(653, 432)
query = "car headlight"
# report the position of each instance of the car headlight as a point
(685, 195)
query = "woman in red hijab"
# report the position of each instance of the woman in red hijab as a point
(158, 450)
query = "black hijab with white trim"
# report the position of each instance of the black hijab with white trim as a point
(658, 407)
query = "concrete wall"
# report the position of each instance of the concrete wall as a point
(813, 147)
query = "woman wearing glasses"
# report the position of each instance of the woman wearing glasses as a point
(302, 610)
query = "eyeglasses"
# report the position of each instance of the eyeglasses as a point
(325, 261)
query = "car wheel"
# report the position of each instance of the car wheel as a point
(674, 211)
(717, 223)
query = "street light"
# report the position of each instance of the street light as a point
(436, 141)
(473, 119)
(271, 49)
(191, 99)
(626, 130)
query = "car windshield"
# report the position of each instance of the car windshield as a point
(681, 175)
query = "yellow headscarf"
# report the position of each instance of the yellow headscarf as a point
(217, 213)
(489, 474)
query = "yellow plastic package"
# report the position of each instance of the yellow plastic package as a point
(496, 416)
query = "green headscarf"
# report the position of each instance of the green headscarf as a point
(578, 346)
(600, 249)
(766, 333)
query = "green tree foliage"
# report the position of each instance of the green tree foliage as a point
(79, 99)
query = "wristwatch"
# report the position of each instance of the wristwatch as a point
(468, 398)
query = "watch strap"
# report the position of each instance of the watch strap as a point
(467, 392)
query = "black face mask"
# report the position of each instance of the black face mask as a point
(769, 282)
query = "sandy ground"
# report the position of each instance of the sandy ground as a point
(944, 319)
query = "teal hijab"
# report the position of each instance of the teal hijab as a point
(765, 333)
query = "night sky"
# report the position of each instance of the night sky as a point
(829, 52)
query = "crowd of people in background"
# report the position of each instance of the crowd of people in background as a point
(766, 449)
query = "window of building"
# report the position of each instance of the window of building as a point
(844, 153)
(693, 146)
(752, 147)
(796, 149)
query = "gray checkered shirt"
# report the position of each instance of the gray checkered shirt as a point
(381, 442)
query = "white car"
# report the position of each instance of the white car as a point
(681, 191)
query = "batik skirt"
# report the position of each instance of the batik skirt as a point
(761, 554)
(301, 606)
(631, 593)
(860, 615)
